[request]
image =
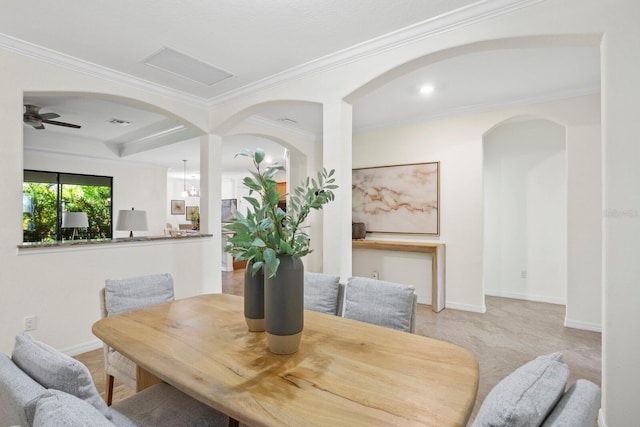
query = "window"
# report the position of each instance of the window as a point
(47, 195)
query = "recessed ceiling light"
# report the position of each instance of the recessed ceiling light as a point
(427, 89)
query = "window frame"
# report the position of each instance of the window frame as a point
(62, 178)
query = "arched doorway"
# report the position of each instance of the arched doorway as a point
(525, 210)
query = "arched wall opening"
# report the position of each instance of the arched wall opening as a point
(145, 151)
(525, 210)
(295, 150)
(180, 118)
(527, 42)
(456, 140)
(304, 150)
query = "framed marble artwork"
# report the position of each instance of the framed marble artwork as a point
(398, 199)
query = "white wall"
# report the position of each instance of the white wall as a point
(457, 143)
(584, 225)
(60, 285)
(525, 211)
(409, 268)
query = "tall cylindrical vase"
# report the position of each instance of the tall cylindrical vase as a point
(284, 305)
(254, 299)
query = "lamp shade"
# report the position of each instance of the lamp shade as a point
(74, 220)
(131, 220)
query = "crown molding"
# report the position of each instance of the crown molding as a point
(468, 15)
(97, 159)
(72, 63)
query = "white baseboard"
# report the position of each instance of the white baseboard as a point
(526, 297)
(466, 307)
(81, 348)
(601, 422)
(587, 326)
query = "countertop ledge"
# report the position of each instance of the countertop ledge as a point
(70, 243)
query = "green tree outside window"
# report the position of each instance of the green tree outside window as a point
(44, 202)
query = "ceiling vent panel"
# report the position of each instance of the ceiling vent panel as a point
(182, 65)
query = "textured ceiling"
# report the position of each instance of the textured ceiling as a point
(252, 40)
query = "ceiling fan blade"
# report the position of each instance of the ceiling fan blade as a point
(49, 116)
(53, 122)
(40, 126)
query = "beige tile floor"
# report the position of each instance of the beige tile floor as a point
(509, 334)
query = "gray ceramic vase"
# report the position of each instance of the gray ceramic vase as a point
(284, 305)
(254, 299)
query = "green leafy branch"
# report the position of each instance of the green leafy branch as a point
(268, 231)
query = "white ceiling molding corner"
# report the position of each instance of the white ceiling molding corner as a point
(53, 57)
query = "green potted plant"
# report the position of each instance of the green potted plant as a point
(272, 241)
(195, 219)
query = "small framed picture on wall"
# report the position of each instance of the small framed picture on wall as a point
(192, 213)
(177, 207)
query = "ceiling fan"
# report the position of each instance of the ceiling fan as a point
(32, 117)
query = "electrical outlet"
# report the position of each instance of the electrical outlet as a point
(374, 275)
(523, 274)
(30, 323)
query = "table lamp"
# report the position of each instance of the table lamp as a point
(74, 220)
(131, 220)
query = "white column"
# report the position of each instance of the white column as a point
(621, 190)
(337, 154)
(210, 220)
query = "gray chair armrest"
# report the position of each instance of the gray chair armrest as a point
(16, 390)
(578, 406)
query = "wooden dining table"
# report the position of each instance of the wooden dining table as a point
(345, 373)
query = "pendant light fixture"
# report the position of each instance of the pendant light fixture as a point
(193, 191)
(184, 181)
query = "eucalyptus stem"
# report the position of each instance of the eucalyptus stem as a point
(267, 231)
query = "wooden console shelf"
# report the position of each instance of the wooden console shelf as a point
(437, 251)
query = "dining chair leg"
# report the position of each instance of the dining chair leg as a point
(108, 390)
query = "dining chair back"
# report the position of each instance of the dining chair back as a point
(321, 292)
(382, 303)
(122, 295)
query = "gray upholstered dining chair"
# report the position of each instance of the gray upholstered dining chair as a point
(41, 386)
(321, 292)
(382, 303)
(122, 295)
